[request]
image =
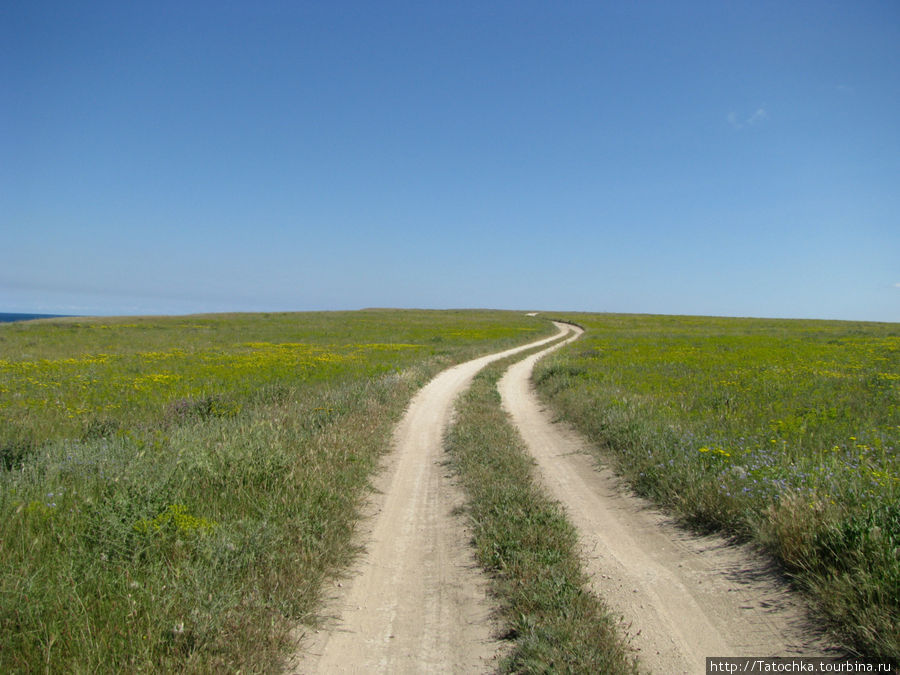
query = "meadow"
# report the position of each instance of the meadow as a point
(174, 491)
(781, 432)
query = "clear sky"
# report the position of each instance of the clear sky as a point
(723, 158)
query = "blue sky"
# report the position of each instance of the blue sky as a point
(722, 158)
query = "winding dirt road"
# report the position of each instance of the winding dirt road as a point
(416, 601)
(684, 597)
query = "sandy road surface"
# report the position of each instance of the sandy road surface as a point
(685, 597)
(416, 602)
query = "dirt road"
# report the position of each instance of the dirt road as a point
(416, 601)
(684, 597)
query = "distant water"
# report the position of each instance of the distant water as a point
(6, 318)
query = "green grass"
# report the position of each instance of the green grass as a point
(528, 547)
(84, 377)
(174, 492)
(781, 432)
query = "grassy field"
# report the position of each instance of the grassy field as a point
(174, 491)
(783, 432)
(524, 541)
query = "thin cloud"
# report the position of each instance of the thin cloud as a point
(759, 116)
(737, 122)
(897, 285)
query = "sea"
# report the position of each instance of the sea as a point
(7, 318)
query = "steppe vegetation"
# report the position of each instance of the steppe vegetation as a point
(781, 432)
(173, 492)
(524, 541)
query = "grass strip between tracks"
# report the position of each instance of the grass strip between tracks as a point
(527, 545)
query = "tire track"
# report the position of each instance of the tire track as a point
(684, 597)
(416, 601)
